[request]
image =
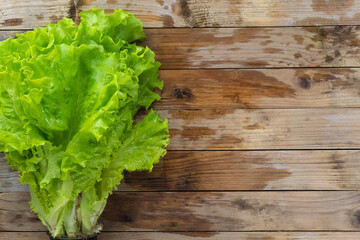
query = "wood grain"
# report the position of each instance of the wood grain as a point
(229, 170)
(208, 211)
(261, 88)
(9, 178)
(267, 170)
(256, 47)
(235, 13)
(263, 129)
(198, 236)
(17, 14)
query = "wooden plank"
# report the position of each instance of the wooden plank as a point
(208, 211)
(288, 47)
(16, 14)
(268, 170)
(266, 88)
(234, 13)
(229, 170)
(198, 235)
(256, 47)
(263, 129)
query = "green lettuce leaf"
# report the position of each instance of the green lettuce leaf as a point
(68, 97)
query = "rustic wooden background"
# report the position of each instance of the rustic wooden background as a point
(263, 100)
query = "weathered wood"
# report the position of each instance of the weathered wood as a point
(256, 47)
(263, 129)
(228, 170)
(198, 235)
(17, 14)
(337, 46)
(234, 13)
(208, 211)
(266, 88)
(268, 170)
(8, 178)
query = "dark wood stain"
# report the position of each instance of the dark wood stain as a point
(337, 53)
(225, 141)
(186, 184)
(189, 171)
(183, 94)
(167, 20)
(355, 218)
(220, 89)
(255, 63)
(252, 84)
(337, 78)
(191, 115)
(267, 238)
(241, 204)
(336, 161)
(73, 10)
(185, 11)
(160, 2)
(309, 46)
(333, 75)
(55, 19)
(193, 133)
(337, 38)
(297, 55)
(254, 126)
(320, 33)
(164, 211)
(329, 59)
(252, 205)
(143, 180)
(39, 16)
(299, 39)
(265, 43)
(273, 50)
(85, 2)
(13, 22)
(198, 234)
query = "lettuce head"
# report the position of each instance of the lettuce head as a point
(68, 97)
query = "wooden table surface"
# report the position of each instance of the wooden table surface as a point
(263, 101)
